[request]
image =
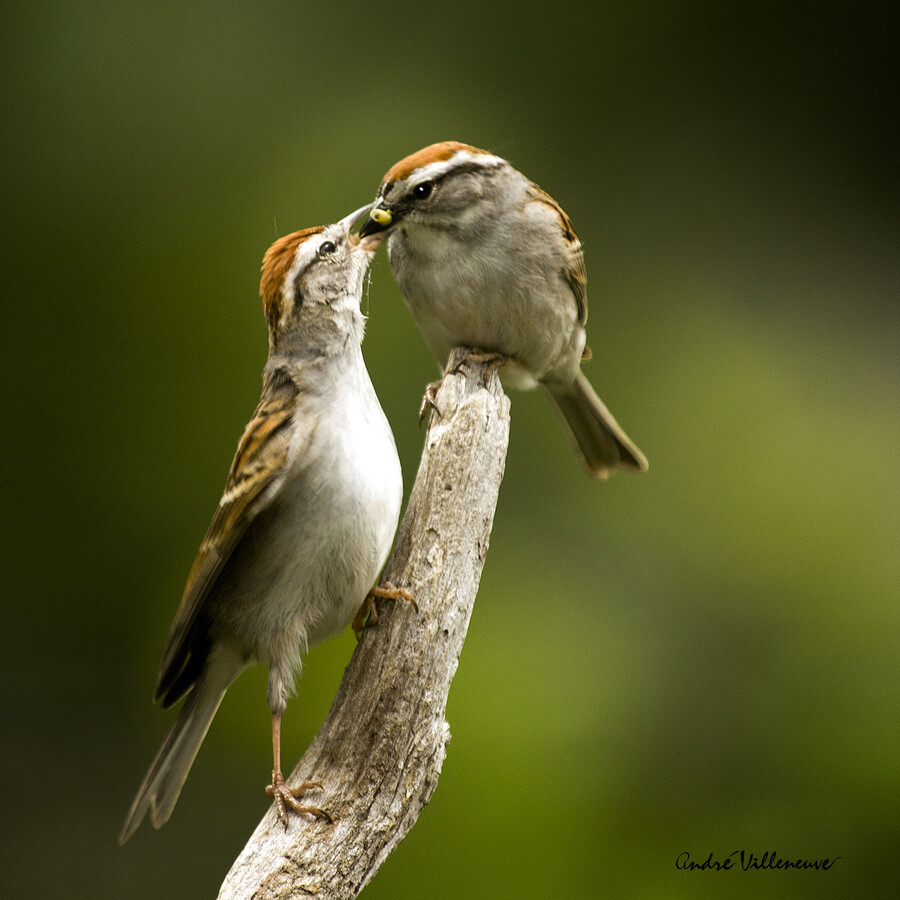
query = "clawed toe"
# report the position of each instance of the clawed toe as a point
(388, 591)
(493, 359)
(368, 615)
(286, 799)
(429, 400)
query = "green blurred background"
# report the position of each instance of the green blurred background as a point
(701, 659)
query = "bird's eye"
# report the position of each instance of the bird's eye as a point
(423, 190)
(326, 248)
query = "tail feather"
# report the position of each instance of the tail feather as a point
(596, 436)
(169, 770)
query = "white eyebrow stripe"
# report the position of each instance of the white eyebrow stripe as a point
(442, 166)
(303, 256)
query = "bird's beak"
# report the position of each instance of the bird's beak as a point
(349, 221)
(356, 240)
(379, 220)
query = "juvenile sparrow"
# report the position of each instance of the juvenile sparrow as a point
(487, 260)
(307, 518)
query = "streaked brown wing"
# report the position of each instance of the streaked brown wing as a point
(574, 271)
(252, 481)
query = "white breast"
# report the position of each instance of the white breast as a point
(358, 480)
(310, 558)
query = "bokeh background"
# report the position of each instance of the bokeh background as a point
(701, 659)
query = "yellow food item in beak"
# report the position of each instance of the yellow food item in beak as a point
(381, 216)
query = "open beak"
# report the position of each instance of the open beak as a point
(349, 221)
(361, 238)
(379, 220)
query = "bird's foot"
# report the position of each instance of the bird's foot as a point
(368, 615)
(429, 400)
(286, 798)
(493, 359)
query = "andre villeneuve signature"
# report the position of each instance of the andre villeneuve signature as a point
(748, 861)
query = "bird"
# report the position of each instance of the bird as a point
(306, 521)
(487, 260)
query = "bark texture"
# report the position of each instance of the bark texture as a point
(380, 750)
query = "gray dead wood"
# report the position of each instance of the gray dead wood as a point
(380, 750)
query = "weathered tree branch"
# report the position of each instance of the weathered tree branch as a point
(380, 750)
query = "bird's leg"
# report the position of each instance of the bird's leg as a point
(368, 615)
(286, 797)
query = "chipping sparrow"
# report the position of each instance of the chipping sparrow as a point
(487, 260)
(307, 518)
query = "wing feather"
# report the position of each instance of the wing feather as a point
(573, 271)
(253, 480)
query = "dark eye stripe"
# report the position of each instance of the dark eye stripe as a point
(461, 168)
